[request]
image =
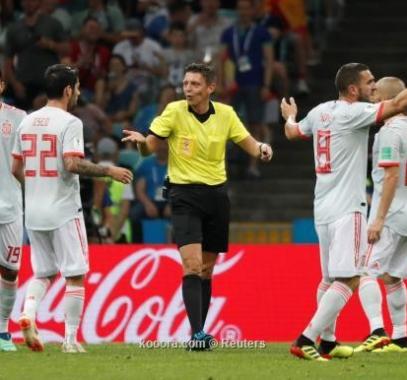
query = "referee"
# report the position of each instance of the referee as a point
(197, 130)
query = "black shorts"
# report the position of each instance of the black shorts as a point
(200, 214)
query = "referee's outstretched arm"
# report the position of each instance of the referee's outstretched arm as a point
(145, 145)
(256, 149)
(148, 145)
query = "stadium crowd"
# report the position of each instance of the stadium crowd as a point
(131, 57)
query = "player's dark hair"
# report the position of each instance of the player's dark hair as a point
(57, 78)
(90, 18)
(119, 58)
(178, 26)
(207, 71)
(347, 75)
(177, 6)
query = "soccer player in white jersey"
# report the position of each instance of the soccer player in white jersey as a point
(340, 134)
(387, 229)
(48, 156)
(11, 219)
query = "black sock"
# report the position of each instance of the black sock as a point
(402, 342)
(192, 295)
(379, 332)
(206, 298)
(304, 341)
(326, 346)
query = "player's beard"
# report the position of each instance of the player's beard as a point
(365, 97)
(72, 101)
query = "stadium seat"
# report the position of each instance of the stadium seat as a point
(155, 231)
(304, 231)
(129, 158)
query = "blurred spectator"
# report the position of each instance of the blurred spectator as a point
(120, 194)
(52, 8)
(96, 205)
(101, 213)
(120, 98)
(134, 8)
(177, 56)
(139, 51)
(159, 16)
(275, 27)
(8, 15)
(92, 60)
(249, 47)
(147, 113)
(96, 124)
(288, 50)
(167, 95)
(155, 19)
(205, 30)
(333, 11)
(179, 11)
(74, 5)
(32, 44)
(109, 16)
(293, 13)
(150, 178)
(144, 56)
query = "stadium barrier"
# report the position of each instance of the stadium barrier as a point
(260, 233)
(133, 294)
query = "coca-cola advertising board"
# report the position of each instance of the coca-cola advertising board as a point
(134, 294)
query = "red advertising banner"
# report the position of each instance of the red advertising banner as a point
(133, 294)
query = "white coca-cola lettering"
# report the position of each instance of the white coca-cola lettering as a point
(131, 316)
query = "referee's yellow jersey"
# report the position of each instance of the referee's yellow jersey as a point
(197, 150)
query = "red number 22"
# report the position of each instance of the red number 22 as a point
(44, 154)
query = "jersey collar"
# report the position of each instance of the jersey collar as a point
(202, 117)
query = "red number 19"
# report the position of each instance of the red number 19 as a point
(13, 254)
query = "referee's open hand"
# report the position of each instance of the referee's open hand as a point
(133, 136)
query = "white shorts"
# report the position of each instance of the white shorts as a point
(62, 250)
(388, 255)
(342, 246)
(11, 239)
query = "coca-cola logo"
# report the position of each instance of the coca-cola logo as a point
(138, 298)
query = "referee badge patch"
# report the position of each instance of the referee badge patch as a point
(186, 146)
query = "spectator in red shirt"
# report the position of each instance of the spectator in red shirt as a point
(92, 59)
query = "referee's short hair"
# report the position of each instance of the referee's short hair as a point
(207, 71)
(57, 77)
(347, 75)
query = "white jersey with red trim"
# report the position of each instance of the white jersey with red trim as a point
(340, 133)
(52, 195)
(390, 149)
(10, 189)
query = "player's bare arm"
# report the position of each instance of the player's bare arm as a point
(391, 178)
(145, 145)
(289, 112)
(80, 166)
(394, 106)
(256, 149)
(18, 169)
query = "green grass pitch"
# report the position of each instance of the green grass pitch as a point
(124, 361)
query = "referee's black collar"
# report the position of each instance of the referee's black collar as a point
(202, 117)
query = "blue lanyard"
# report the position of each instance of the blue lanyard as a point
(246, 43)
